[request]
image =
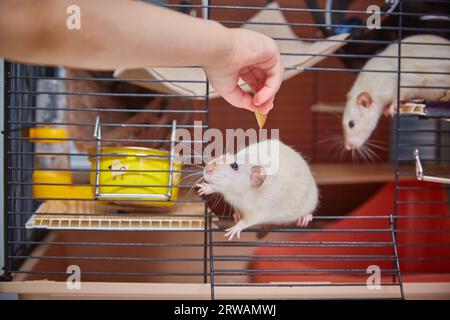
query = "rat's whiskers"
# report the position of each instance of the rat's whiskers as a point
(192, 188)
(377, 145)
(194, 174)
(329, 138)
(336, 145)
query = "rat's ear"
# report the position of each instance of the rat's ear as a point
(257, 176)
(364, 99)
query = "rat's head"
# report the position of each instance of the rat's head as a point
(359, 120)
(227, 173)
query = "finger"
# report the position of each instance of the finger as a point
(254, 78)
(260, 74)
(252, 81)
(274, 77)
(239, 98)
(266, 107)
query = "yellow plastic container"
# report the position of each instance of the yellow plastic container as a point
(54, 191)
(46, 134)
(135, 171)
(50, 180)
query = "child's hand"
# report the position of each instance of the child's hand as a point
(254, 58)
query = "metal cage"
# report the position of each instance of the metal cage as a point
(399, 231)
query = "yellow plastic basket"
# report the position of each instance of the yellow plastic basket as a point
(141, 176)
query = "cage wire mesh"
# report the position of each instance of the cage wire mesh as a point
(71, 134)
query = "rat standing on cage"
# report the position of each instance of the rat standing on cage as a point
(266, 183)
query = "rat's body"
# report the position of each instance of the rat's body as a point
(375, 93)
(263, 191)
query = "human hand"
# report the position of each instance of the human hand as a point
(254, 58)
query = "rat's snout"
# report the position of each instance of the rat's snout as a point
(349, 146)
(353, 143)
(209, 169)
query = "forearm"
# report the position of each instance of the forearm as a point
(113, 34)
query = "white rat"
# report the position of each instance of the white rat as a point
(375, 93)
(266, 183)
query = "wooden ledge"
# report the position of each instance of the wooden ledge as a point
(108, 290)
(356, 173)
(350, 173)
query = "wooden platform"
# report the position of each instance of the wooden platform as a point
(107, 290)
(96, 215)
(350, 173)
(347, 173)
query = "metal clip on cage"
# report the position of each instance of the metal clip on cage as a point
(420, 175)
(104, 196)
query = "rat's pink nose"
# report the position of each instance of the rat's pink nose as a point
(349, 146)
(209, 168)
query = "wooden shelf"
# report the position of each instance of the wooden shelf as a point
(356, 173)
(96, 215)
(107, 290)
(349, 173)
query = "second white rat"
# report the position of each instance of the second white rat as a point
(375, 93)
(266, 183)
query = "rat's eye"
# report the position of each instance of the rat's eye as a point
(234, 166)
(351, 124)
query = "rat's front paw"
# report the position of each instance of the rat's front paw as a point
(235, 230)
(204, 189)
(304, 221)
(390, 111)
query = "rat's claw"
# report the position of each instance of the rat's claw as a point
(231, 233)
(204, 189)
(303, 221)
(235, 230)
